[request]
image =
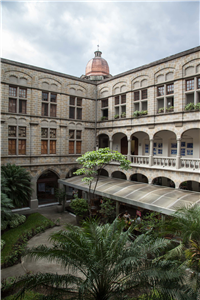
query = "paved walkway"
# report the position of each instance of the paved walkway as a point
(29, 265)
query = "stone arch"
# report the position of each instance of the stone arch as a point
(120, 142)
(104, 172)
(47, 183)
(161, 75)
(119, 174)
(18, 75)
(139, 81)
(70, 172)
(139, 177)
(76, 89)
(163, 181)
(190, 185)
(103, 140)
(117, 87)
(190, 67)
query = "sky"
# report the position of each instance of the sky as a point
(62, 36)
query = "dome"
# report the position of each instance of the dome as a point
(97, 66)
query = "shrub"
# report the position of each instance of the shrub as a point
(79, 206)
(197, 106)
(116, 116)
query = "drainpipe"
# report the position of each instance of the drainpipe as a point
(95, 134)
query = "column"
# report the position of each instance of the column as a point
(111, 145)
(129, 149)
(151, 153)
(195, 92)
(34, 201)
(117, 208)
(178, 156)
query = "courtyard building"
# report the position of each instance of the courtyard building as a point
(151, 114)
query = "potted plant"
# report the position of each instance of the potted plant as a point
(144, 112)
(60, 196)
(136, 114)
(80, 208)
(161, 110)
(197, 106)
(189, 106)
(171, 108)
(103, 118)
(116, 116)
(123, 115)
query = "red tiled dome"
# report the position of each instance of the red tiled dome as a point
(97, 66)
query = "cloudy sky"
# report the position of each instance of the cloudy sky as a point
(62, 36)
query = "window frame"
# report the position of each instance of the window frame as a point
(47, 140)
(51, 106)
(75, 141)
(18, 140)
(17, 98)
(75, 106)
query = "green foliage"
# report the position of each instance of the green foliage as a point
(60, 195)
(93, 160)
(171, 108)
(152, 224)
(108, 210)
(161, 110)
(16, 238)
(116, 116)
(189, 106)
(186, 224)
(106, 264)
(197, 106)
(123, 115)
(18, 185)
(79, 206)
(138, 113)
(27, 296)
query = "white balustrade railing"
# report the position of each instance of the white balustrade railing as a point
(190, 163)
(140, 159)
(162, 161)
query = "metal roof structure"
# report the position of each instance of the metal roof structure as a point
(162, 199)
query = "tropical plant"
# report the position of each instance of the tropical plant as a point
(186, 224)
(189, 106)
(97, 160)
(103, 263)
(18, 182)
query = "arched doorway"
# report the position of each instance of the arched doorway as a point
(71, 173)
(46, 185)
(139, 178)
(190, 185)
(164, 181)
(119, 174)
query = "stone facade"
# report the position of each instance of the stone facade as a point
(171, 126)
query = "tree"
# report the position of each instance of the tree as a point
(18, 182)
(93, 161)
(60, 195)
(103, 263)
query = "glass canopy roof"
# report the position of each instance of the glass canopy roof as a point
(157, 198)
